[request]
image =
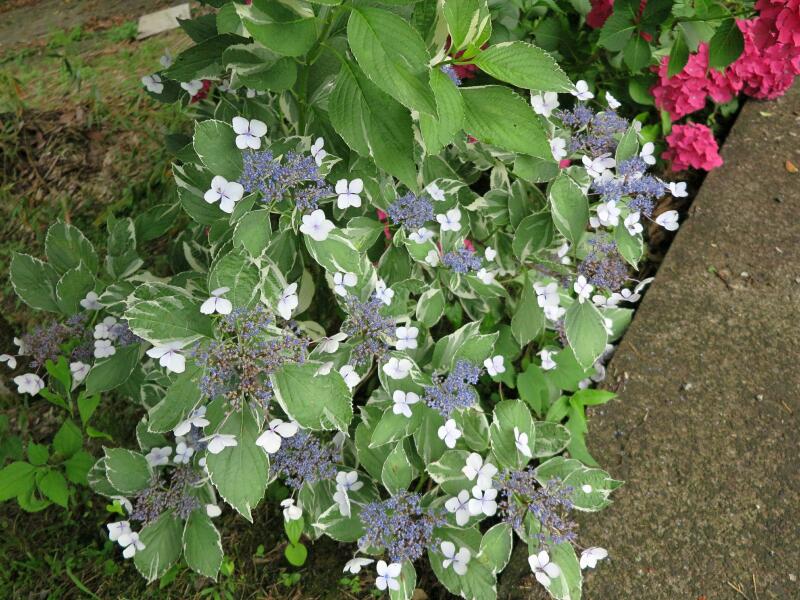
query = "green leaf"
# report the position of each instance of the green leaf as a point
(55, 488)
(617, 30)
(498, 116)
(373, 124)
(551, 438)
(202, 60)
(469, 23)
(726, 45)
(570, 208)
(441, 130)
(121, 258)
(240, 473)
(509, 414)
(637, 53)
(534, 233)
(77, 467)
(535, 170)
(393, 55)
(202, 546)
(126, 470)
(533, 389)
(66, 247)
(315, 401)
(112, 371)
(628, 146)
(38, 454)
(392, 427)
(496, 546)
(16, 479)
(68, 439)
(34, 281)
(528, 320)
(86, 406)
(215, 144)
(296, 554)
(72, 287)
(287, 35)
(162, 547)
(397, 472)
(567, 586)
(678, 54)
(241, 274)
(181, 398)
(586, 332)
(523, 65)
(631, 247)
(162, 313)
(407, 581)
(448, 472)
(253, 232)
(430, 306)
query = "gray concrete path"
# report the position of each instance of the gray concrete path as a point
(705, 429)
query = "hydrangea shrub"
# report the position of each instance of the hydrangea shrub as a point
(395, 292)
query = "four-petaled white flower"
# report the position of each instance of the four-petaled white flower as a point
(546, 295)
(421, 235)
(554, 313)
(79, 370)
(104, 348)
(544, 104)
(432, 258)
(192, 87)
(668, 220)
(613, 103)
(318, 152)
(486, 277)
(196, 418)
(118, 529)
(213, 511)
(29, 383)
(558, 147)
(403, 401)
(460, 506)
(91, 301)
(331, 344)
(590, 556)
(542, 568)
(276, 432)
(341, 281)
(169, 357)
(387, 575)
(316, 225)
(183, 453)
(324, 368)
(349, 193)
(678, 189)
(166, 59)
(11, 361)
(153, 83)
(397, 368)
(449, 433)
(227, 193)
(406, 337)
(581, 91)
(632, 223)
(291, 511)
(350, 376)
(646, 154)
(477, 470)
(355, 564)
(458, 560)
(288, 301)
(346, 483)
(562, 252)
(106, 329)
(495, 365)
(547, 359)
(383, 293)
(219, 441)
(249, 133)
(608, 214)
(131, 544)
(490, 253)
(159, 456)
(598, 167)
(216, 303)
(451, 220)
(435, 192)
(583, 288)
(483, 502)
(521, 442)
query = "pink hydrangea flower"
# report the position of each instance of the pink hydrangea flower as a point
(766, 68)
(778, 21)
(692, 145)
(601, 10)
(686, 92)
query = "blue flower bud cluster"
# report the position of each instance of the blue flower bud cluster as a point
(453, 392)
(303, 458)
(296, 176)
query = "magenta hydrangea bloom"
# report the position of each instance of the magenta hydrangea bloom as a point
(766, 68)
(778, 21)
(692, 145)
(601, 10)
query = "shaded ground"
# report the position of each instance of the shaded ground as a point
(705, 430)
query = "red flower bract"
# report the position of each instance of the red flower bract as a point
(692, 145)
